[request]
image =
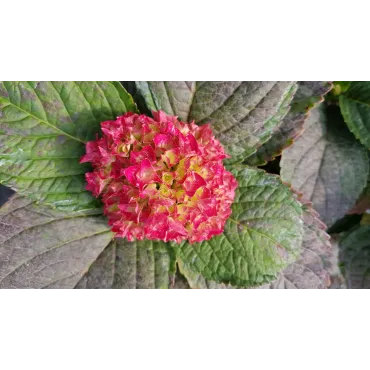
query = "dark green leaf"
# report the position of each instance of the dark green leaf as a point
(43, 130)
(242, 114)
(345, 223)
(327, 164)
(262, 236)
(355, 107)
(354, 253)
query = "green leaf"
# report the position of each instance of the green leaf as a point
(355, 106)
(195, 280)
(262, 236)
(44, 248)
(131, 265)
(242, 114)
(308, 95)
(43, 130)
(326, 164)
(312, 269)
(354, 254)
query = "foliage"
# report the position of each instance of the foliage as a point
(53, 233)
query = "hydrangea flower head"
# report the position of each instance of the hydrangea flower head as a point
(160, 179)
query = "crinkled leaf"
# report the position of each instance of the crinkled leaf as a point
(312, 269)
(43, 130)
(326, 164)
(262, 236)
(308, 95)
(355, 106)
(44, 248)
(354, 254)
(242, 114)
(131, 265)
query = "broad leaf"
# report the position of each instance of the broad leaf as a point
(242, 114)
(327, 164)
(43, 130)
(131, 265)
(312, 269)
(354, 253)
(262, 236)
(308, 95)
(355, 107)
(44, 248)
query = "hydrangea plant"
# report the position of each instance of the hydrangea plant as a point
(157, 185)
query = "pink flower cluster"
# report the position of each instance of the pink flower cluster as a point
(160, 179)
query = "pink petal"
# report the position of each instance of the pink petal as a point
(191, 142)
(208, 206)
(131, 173)
(146, 174)
(92, 152)
(192, 183)
(146, 153)
(95, 183)
(164, 141)
(171, 157)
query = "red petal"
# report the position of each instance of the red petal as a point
(146, 174)
(171, 157)
(95, 183)
(130, 173)
(92, 152)
(164, 141)
(192, 183)
(146, 153)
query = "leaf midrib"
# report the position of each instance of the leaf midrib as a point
(256, 231)
(43, 121)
